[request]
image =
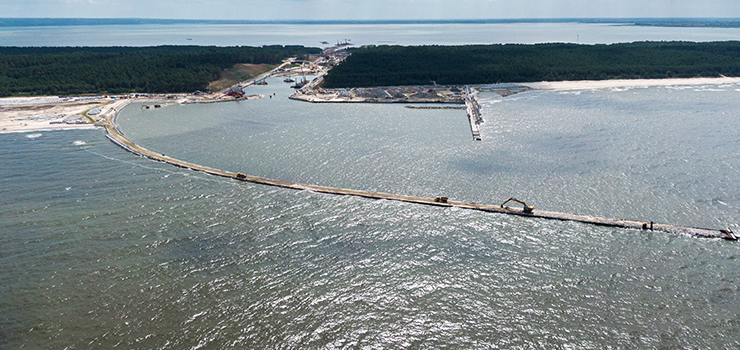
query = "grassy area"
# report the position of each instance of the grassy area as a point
(237, 73)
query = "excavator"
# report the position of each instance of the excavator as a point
(527, 208)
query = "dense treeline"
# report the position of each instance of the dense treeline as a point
(78, 70)
(482, 64)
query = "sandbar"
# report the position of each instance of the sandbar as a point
(623, 83)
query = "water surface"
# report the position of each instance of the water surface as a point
(358, 34)
(102, 249)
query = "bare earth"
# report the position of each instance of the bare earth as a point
(239, 72)
(26, 114)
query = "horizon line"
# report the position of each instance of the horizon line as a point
(71, 21)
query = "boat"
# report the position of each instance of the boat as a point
(288, 80)
(300, 84)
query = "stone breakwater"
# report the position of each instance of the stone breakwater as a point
(454, 94)
(393, 94)
(116, 136)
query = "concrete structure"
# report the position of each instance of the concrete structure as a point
(115, 135)
(474, 116)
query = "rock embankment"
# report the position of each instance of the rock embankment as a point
(390, 94)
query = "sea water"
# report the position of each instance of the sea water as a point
(100, 248)
(662, 154)
(357, 34)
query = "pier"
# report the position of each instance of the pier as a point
(435, 107)
(474, 116)
(116, 136)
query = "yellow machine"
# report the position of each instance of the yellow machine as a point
(526, 209)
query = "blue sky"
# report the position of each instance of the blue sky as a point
(367, 9)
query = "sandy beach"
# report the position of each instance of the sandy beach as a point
(620, 83)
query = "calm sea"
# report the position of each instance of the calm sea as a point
(358, 34)
(102, 249)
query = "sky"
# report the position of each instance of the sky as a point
(369, 9)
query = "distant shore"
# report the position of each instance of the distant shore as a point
(658, 22)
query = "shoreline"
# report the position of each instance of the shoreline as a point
(44, 113)
(107, 114)
(625, 83)
(52, 127)
(47, 113)
(16, 111)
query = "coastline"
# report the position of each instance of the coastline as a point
(48, 113)
(40, 127)
(45, 113)
(625, 83)
(17, 113)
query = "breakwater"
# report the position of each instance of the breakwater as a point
(116, 136)
(474, 116)
(435, 107)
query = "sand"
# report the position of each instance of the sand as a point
(18, 114)
(621, 83)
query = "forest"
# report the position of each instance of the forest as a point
(160, 69)
(484, 64)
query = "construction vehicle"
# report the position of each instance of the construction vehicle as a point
(235, 92)
(527, 208)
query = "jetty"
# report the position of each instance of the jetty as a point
(473, 108)
(435, 107)
(117, 137)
